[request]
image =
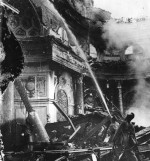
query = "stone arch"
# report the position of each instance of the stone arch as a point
(132, 51)
(28, 22)
(93, 52)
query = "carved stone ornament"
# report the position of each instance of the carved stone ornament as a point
(30, 86)
(13, 21)
(80, 80)
(63, 102)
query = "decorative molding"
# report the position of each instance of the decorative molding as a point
(36, 88)
(66, 59)
(39, 101)
(63, 102)
(13, 21)
(20, 32)
(80, 80)
(27, 23)
(41, 86)
(33, 32)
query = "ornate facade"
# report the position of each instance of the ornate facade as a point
(52, 70)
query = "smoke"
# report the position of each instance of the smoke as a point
(121, 34)
(141, 105)
(142, 116)
(137, 35)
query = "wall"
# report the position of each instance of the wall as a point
(35, 80)
(48, 87)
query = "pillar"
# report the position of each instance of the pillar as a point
(120, 97)
(79, 95)
(1, 109)
(8, 130)
(8, 103)
(2, 57)
(51, 109)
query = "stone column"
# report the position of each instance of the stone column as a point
(1, 109)
(8, 130)
(120, 96)
(79, 99)
(2, 57)
(8, 103)
(51, 109)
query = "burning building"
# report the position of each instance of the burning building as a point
(59, 53)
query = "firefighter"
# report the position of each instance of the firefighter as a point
(124, 141)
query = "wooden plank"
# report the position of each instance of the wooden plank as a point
(95, 129)
(67, 118)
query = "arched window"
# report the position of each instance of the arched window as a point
(63, 35)
(93, 52)
(133, 52)
(129, 50)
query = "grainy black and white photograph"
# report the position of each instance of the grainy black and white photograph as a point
(74, 80)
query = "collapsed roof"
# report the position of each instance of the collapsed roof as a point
(88, 22)
(85, 21)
